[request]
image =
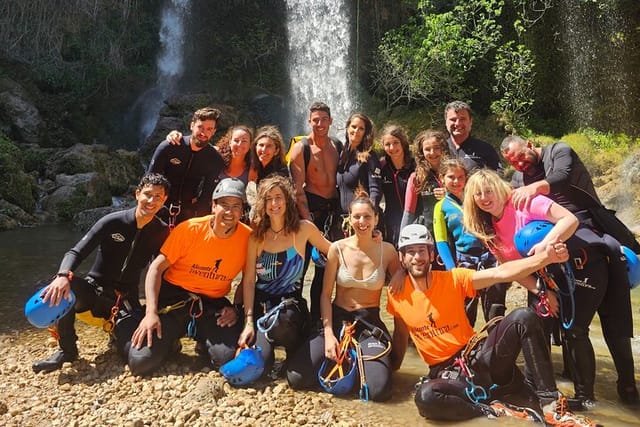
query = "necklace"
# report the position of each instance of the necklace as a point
(276, 233)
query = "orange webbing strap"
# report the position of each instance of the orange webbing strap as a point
(479, 336)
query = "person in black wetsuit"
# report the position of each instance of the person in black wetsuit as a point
(192, 168)
(557, 172)
(474, 153)
(397, 165)
(358, 166)
(127, 241)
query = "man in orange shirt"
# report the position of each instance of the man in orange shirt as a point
(186, 285)
(430, 309)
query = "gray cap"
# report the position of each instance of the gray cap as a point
(230, 187)
(414, 234)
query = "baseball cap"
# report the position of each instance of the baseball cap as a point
(232, 187)
(414, 234)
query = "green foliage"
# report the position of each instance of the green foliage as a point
(17, 187)
(601, 151)
(431, 58)
(514, 83)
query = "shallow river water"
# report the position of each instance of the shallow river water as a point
(30, 255)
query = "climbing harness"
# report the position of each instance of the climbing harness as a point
(110, 323)
(193, 299)
(350, 351)
(270, 319)
(476, 393)
(546, 283)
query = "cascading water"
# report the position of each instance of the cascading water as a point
(319, 60)
(170, 64)
(593, 45)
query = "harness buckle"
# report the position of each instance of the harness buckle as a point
(578, 263)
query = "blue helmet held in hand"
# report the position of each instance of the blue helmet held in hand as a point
(332, 379)
(633, 266)
(246, 368)
(318, 258)
(41, 315)
(530, 235)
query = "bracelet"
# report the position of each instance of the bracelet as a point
(65, 273)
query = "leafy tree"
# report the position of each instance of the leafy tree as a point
(514, 84)
(431, 58)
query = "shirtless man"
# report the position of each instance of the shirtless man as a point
(314, 177)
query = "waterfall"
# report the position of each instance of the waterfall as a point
(319, 33)
(170, 64)
(593, 45)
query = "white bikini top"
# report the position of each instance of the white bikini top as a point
(374, 282)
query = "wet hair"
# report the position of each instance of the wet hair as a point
(224, 147)
(423, 167)
(291, 216)
(363, 150)
(360, 196)
(273, 133)
(457, 106)
(154, 179)
(399, 132)
(476, 221)
(319, 106)
(207, 113)
(512, 139)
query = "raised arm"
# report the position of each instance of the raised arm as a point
(514, 270)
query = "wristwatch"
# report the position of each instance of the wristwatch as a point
(65, 273)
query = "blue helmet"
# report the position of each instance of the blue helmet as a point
(530, 235)
(318, 258)
(633, 266)
(339, 385)
(246, 368)
(41, 315)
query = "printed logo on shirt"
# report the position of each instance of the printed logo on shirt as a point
(583, 283)
(117, 237)
(431, 329)
(175, 161)
(208, 272)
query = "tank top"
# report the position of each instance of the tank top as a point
(280, 273)
(244, 177)
(374, 282)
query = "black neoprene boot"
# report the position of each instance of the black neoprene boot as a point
(55, 361)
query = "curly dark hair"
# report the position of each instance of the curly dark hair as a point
(291, 216)
(225, 149)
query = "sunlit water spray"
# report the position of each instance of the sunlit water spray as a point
(170, 63)
(319, 61)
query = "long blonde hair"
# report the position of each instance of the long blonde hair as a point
(476, 221)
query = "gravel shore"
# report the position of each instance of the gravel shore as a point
(99, 390)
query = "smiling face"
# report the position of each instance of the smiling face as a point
(320, 122)
(275, 203)
(363, 218)
(227, 212)
(266, 150)
(454, 180)
(417, 259)
(522, 157)
(355, 131)
(459, 124)
(240, 143)
(201, 132)
(393, 148)
(487, 199)
(432, 150)
(150, 200)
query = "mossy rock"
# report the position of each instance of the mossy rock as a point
(18, 187)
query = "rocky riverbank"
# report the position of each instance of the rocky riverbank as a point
(99, 390)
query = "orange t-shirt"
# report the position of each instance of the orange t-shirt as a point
(201, 262)
(436, 318)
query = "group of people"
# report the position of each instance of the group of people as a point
(446, 238)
